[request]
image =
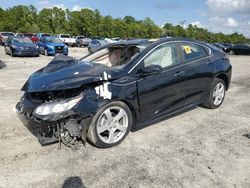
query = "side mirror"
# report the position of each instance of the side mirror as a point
(150, 70)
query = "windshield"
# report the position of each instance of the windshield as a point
(81, 37)
(22, 40)
(52, 39)
(114, 56)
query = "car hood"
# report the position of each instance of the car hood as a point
(64, 72)
(54, 44)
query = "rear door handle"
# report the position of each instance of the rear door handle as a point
(179, 74)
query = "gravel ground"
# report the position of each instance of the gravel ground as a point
(199, 148)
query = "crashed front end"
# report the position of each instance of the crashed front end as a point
(53, 116)
(59, 100)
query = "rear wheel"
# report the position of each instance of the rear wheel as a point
(216, 94)
(110, 125)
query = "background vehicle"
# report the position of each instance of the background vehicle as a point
(40, 35)
(121, 87)
(21, 46)
(4, 36)
(52, 46)
(95, 44)
(82, 41)
(32, 36)
(66, 39)
(238, 49)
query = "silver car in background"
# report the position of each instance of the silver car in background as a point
(95, 44)
(82, 41)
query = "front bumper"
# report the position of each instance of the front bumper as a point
(19, 52)
(41, 129)
(54, 51)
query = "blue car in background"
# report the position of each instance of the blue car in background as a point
(52, 46)
(21, 46)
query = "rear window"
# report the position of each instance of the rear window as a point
(45, 35)
(7, 34)
(65, 36)
(193, 51)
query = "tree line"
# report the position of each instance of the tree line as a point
(91, 23)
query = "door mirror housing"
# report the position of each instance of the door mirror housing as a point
(150, 70)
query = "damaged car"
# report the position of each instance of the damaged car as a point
(122, 87)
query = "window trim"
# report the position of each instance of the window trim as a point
(184, 61)
(179, 54)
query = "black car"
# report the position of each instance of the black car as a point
(120, 88)
(21, 46)
(239, 49)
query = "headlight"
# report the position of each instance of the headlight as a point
(58, 106)
(15, 47)
(51, 47)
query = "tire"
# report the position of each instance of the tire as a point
(90, 51)
(109, 135)
(5, 51)
(46, 52)
(210, 98)
(11, 53)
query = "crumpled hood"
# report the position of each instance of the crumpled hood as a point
(64, 72)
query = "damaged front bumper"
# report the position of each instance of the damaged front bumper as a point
(67, 127)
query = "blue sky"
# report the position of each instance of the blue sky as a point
(225, 16)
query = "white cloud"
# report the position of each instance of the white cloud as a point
(231, 22)
(229, 6)
(76, 8)
(79, 8)
(197, 23)
(62, 6)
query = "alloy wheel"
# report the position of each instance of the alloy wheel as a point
(218, 94)
(112, 125)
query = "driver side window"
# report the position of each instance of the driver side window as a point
(164, 55)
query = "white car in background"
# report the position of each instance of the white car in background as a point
(67, 39)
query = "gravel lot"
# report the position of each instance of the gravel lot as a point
(199, 148)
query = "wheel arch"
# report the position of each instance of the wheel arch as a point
(224, 78)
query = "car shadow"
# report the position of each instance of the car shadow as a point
(2, 65)
(73, 182)
(247, 135)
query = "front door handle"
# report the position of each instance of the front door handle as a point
(179, 74)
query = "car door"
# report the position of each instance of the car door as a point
(162, 92)
(199, 70)
(41, 45)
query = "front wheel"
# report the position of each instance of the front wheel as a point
(46, 52)
(110, 125)
(216, 94)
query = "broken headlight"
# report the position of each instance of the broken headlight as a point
(57, 106)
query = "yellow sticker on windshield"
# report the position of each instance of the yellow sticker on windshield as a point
(187, 49)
